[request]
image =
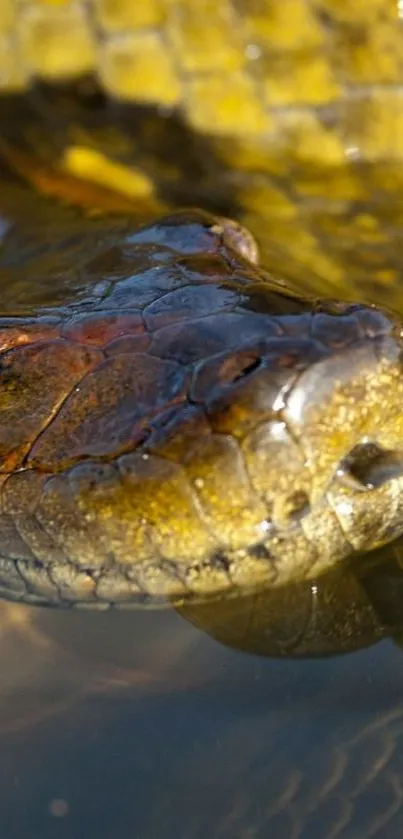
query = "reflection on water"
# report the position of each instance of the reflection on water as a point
(140, 725)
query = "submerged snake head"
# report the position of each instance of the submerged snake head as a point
(187, 427)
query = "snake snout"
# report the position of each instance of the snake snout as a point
(345, 404)
(345, 414)
(369, 466)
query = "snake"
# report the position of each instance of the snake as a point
(177, 421)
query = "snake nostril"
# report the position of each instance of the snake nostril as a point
(297, 505)
(370, 465)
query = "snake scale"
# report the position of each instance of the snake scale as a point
(176, 422)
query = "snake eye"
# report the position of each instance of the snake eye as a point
(245, 366)
(369, 466)
(238, 237)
